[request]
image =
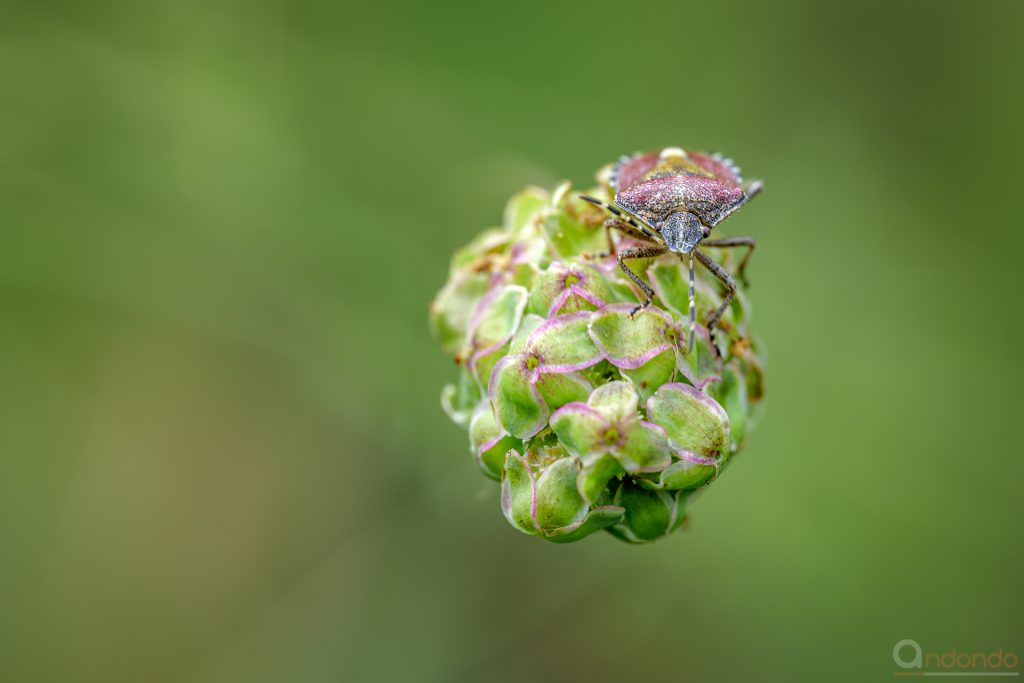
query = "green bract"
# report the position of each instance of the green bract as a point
(590, 419)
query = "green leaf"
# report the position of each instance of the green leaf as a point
(689, 473)
(489, 442)
(483, 428)
(559, 390)
(487, 243)
(630, 342)
(518, 493)
(460, 399)
(740, 310)
(649, 515)
(522, 207)
(497, 318)
(731, 393)
(581, 429)
(491, 459)
(518, 406)
(562, 344)
(568, 235)
(452, 309)
(752, 358)
(648, 377)
(595, 476)
(529, 323)
(563, 289)
(672, 286)
(599, 518)
(617, 401)
(622, 292)
(482, 366)
(644, 447)
(702, 366)
(600, 373)
(528, 253)
(670, 280)
(559, 503)
(693, 421)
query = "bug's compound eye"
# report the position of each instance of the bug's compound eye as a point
(682, 232)
(705, 230)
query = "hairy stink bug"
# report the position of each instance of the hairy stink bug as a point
(672, 198)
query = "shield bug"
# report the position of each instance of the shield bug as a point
(671, 199)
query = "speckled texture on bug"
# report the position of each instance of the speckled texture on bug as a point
(652, 185)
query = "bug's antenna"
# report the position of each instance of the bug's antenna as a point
(693, 305)
(620, 215)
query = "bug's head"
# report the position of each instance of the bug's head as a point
(682, 231)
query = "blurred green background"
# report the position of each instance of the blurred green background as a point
(224, 457)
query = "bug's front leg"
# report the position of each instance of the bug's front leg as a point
(736, 242)
(730, 291)
(639, 252)
(624, 228)
(608, 226)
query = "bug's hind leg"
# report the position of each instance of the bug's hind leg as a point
(639, 252)
(736, 242)
(730, 291)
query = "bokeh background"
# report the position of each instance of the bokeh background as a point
(223, 453)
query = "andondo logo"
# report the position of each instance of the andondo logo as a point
(911, 658)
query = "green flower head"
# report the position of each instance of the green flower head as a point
(592, 416)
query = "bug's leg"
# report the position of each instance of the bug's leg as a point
(639, 252)
(609, 225)
(730, 291)
(608, 236)
(693, 307)
(754, 189)
(626, 229)
(640, 226)
(736, 242)
(623, 227)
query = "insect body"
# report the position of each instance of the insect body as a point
(671, 199)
